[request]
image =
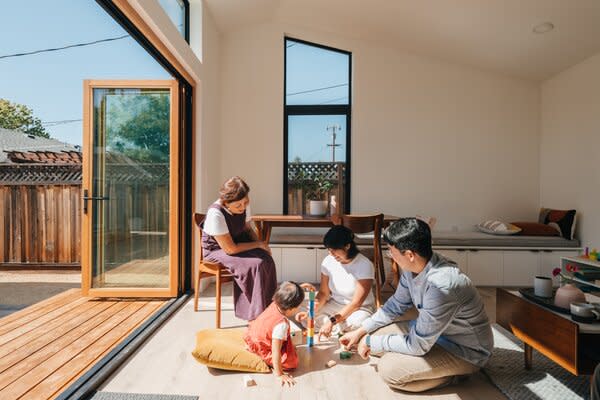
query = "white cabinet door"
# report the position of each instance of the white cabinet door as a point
(551, 259)
(276, 253)
(298, 264)
(458, 256)
(321, 253)
(485, 267)
(520, 267)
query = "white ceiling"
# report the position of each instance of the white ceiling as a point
(492, 35)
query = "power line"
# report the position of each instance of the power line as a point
(336, 99)
(62, 122)
(64, 47)
(318, 89)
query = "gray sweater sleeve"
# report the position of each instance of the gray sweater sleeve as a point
(437, 312)
(396, 305)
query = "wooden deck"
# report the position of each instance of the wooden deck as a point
(46, 347)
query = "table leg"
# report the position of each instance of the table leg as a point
(528, 355)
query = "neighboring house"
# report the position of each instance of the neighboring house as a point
(47, 150)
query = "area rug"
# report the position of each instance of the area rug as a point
(545, 381)
(139, 396)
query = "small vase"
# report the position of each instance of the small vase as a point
(567, 294)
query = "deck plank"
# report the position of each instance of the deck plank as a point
(53, 385)
(37, 339)
(47, 346)
(23, 367)
(41, 371)
(25, 315)
(41, 320)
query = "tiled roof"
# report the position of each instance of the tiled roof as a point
(44, 157)
(11, 140)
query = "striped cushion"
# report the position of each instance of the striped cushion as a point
(495, 227)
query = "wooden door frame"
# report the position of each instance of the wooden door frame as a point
(174, 189)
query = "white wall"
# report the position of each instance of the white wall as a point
(570, 146)
(428, 137)
(208, 125)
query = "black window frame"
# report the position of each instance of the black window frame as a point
(317, 109)
(186, 19)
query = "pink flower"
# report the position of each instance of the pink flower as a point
(571, 268)
(556, 271)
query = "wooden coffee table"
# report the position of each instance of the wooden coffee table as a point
(570, 344)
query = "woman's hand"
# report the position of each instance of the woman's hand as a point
(286, 379)
(265, 247)
(308, 287)
(326, 328)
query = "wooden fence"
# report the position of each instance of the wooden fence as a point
(40, 225)
(301, 172)
(40, 217)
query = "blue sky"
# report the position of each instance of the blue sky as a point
(315, 76)
(51, 83)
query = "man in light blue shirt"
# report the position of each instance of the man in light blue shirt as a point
(451, 337)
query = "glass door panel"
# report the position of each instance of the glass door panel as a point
(129, 200)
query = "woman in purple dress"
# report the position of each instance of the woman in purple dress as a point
(228, 238)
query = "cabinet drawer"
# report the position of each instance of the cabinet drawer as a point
(485, 267)
(298, 264)
(520, 267)
(458, 256)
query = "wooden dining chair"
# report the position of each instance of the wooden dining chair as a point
(208, 269)
(366, 224)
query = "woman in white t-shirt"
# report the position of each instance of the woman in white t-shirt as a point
(345, 297)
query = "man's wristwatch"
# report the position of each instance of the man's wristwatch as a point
(334, 318)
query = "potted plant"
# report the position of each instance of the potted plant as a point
(316, 191)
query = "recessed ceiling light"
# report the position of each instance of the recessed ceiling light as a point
(543, 27)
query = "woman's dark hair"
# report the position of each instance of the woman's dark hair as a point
(288, 295)
(410, 234)
(233, 189)
(338, 237)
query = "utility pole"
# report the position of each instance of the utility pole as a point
(333, 145)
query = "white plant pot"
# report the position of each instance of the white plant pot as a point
(317, 207)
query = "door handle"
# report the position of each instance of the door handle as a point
(85, 199)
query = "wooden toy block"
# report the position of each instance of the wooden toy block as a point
(248, 381)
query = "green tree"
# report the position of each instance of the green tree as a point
(139, 127)
(18, 117)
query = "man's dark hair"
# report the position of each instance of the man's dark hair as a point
(410, 234)
(338, 237)
(288, 295)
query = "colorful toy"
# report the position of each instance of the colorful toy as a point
(591, 255)
(310, 334)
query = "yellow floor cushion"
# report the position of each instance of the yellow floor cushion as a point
(226, 349)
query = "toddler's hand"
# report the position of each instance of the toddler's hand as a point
(309, 287)
(302, 315)
(286, 380)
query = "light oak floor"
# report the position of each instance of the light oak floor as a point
(164, 365)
